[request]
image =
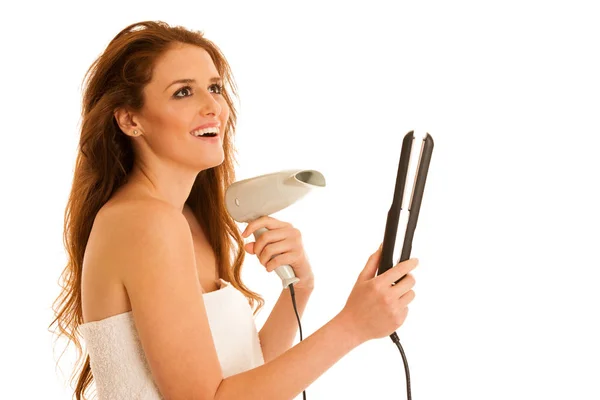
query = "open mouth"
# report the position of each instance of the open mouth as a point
(209, 132)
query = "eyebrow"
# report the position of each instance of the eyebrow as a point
(215, 79)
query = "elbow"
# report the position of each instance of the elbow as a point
(217, 395)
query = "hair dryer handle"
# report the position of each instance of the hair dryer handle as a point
(285, 272)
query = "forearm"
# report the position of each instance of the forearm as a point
(293, 371)
(279, 331)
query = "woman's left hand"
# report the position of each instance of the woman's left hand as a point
(283, 241)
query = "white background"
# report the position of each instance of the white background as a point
(507, 299)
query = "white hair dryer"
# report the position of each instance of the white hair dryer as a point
(252, 198)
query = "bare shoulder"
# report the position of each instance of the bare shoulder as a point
(145, 231)
(125, 230)
(153, 252)
(142, 239)
(142, 217)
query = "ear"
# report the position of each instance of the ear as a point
(128, 122)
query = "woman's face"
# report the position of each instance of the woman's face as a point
(174, 110)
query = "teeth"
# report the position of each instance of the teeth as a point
(202, 132)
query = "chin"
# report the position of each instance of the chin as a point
(206, 166)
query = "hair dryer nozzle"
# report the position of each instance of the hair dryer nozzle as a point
(252, 198)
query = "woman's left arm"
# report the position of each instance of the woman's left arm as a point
(278, 333)
(281, 245)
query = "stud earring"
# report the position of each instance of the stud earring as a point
(135, 133)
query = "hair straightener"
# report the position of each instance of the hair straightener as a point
(397, 244)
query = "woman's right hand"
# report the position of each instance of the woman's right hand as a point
(376, 308)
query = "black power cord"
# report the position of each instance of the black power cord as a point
(293, 293)
(396, 340)
(393, 336)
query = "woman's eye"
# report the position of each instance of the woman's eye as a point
(182, 90)
(218, 88)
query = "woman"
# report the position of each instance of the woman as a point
(150, 284)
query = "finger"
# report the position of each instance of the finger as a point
(406, 299)
(249, 247)
(397, 272)
(273, 236)
(281, 259)
(371, 266)
(274, 249)
(263, 222)
(406, 284)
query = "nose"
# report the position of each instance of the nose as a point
(208, 104)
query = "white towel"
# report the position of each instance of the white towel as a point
(118, 362)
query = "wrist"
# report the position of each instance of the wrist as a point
(303, 290)
(349, 328)
(305, 285)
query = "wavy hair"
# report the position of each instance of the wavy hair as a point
(105, 157)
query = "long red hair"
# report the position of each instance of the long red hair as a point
(105, 157)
